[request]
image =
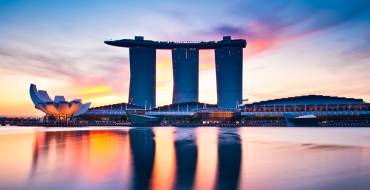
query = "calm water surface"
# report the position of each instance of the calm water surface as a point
(184, 158)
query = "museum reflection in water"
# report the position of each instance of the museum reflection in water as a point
(185, 158)
(137, 158)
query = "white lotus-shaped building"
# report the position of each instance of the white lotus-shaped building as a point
(59, 107)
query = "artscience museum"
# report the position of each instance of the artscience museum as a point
(59, 107)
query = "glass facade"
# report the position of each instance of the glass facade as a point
(142, 76)
(185, 75)
(229, 76)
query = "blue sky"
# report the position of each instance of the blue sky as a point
(294, 47)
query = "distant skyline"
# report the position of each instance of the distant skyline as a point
(294, 47)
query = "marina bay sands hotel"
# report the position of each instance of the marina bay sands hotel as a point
(185, 59)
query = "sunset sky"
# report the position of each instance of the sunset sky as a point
(295, 47)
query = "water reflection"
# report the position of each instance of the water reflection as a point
(229, 151)
(163, 176)
(206, 171)
(82, 158)
(176, 158)
(15, 160)
(143, 148)
(186, 158)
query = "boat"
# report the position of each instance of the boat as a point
(309, 120)
(144, 120)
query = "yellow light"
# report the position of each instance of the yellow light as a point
(95, 90)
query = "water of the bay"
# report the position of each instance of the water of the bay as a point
(184, 158)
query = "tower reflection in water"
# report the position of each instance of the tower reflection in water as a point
(184, 158)
(136, 158)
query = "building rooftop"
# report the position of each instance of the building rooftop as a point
(139, 41)
(118, 106)
(308, 100)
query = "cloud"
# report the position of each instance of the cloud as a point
(361, 50)
(268, 25)
(73, 65)
(21, 61)
(227, 29)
